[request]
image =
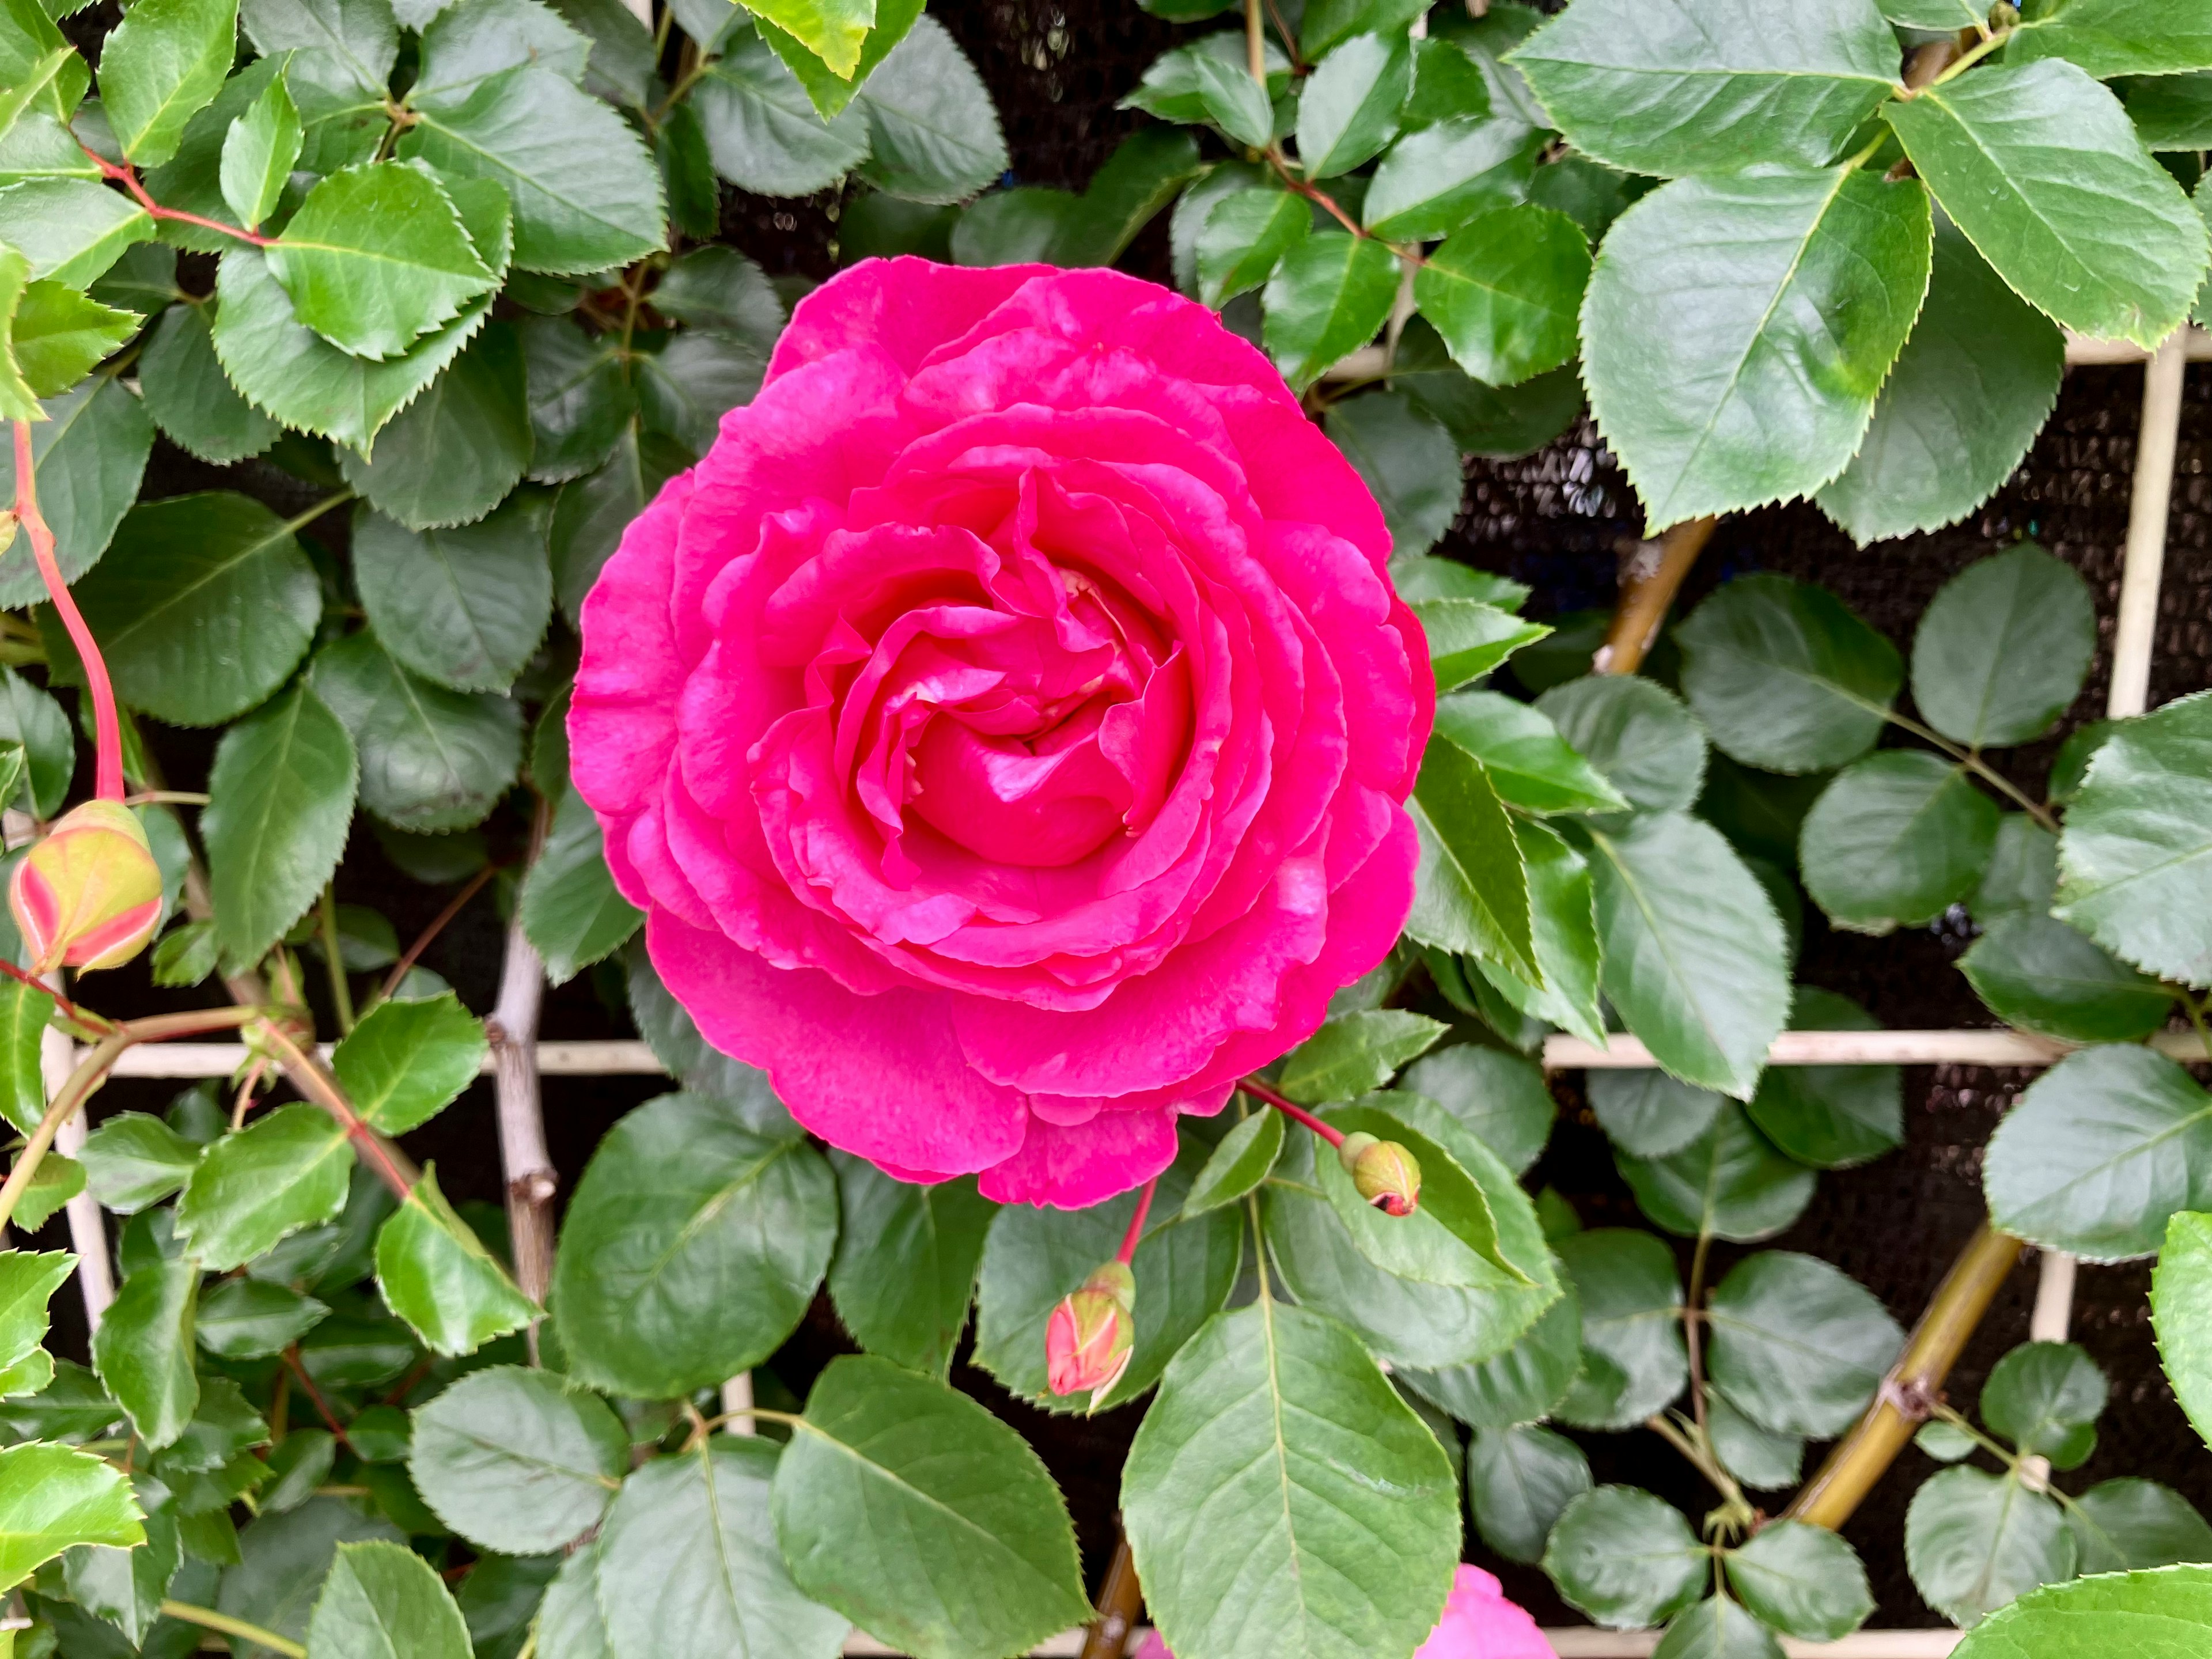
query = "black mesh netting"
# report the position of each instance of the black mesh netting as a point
(1554, 519)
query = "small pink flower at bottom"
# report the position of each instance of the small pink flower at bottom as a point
(1478, 1623)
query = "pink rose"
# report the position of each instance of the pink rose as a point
(1005, 727)
(1478, 1623)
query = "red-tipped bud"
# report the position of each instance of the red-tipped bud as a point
(1091, 1335)
(1386, 1175)
(90, 893)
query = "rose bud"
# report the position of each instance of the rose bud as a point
(88, 894)
(1091, 1333)
(1386, 1173)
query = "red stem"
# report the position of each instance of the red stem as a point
(437, 927)
(1137, 1223)
(108, 780)
(83, 1016)
(1297, 1114)
(322, 1406)
(127, 176)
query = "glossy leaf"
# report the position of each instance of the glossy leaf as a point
(1467, 638)
(407, 1059)
(1244, 238)
(1634, 1360)
(143, 1350)
(247, 1319)
(690, 1250)
(1803, 1581)
(431, 759)
(2181, 1307)
(1562, 923)
(1796, 1345)
(453, 454)
(1647, 1114)
(160, 65)
(2003, 648)
(59, 336)
(54, 1497)
(904, 1270)
(463, 45)
(1501, 1099)
(2046, 1398)
(1355, 1053)
(1830, 1117)
(434, 1273)
(284, 1172)
(1529, 764)
(1410, 463)
(1729, 1182)
(1432, 182)
(2045, 977)
(382, 1598)
(516, 1460)
(1975, 1541)
(1327, 298)
(581, 399)
(1785, 676)
(2128, 1524)
(1716, 1628)
(279, 802)
(1519, 1480)
(88, 457)
(25, 1013)
(133, 1160)
(69, 229)
(1635, 733)
(762, 131)
(1238, 1164)
(2038, 165)
(2118, 37)
(1896, 839)
(1504, 292)
(1261, 1423)
(1348, 107)
(1470, 889)
(1625, 1558)
(569, 907)
(258, 154)
(190, 399)
(933, 131)
(1738, 328)
(1521, 1386)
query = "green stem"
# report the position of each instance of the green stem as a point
(208, 1619)
(1951, 1414)
(292, 526)
(1690, 1316)
(1974, 763)
(334, 960)
(1967, 59)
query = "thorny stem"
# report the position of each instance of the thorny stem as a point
(308, 1076)
(72, 1012)
(127, 176)
(1137, 1223)
(334, 959)
(208, 1619)
(438, 925)
(108, 778)
(1295, 1113)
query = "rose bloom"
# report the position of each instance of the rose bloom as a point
(1005, 727)
(1478, 1623)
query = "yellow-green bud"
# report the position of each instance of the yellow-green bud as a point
(1091, 1333)
(88, 895)
(1385, 1173)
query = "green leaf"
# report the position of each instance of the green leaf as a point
(1633, 1362)
(1521, 1386)
(1635, 733)
(17, 401)
(1453, 1238)
(358, 37)
(1625, 1558)
(246, 1319)
(465, 44)
(133, 1160)
(375, 258)
(406, 1060)
(1693, 953)
(1975, 1541)
(53, 1497)
(258, 154)
(1530, 765)
(1354, 1054)
(1563, 922)
(1519, 1482)
(160, 64)
(828, 91)
(382, 1598)
(284, 1172)
(431, 759)
(28, 1280)
(1467, 638)
(494, 593)
(1978, 377)
(203, 608)
(2098, 1152)
(87, 457)
(1759, 1459)
(190, 399)
(2170, 112)
(143, 1350)
(1729, 1182)
(1411, 465)
(835, 31)
(569, 907)
(1688, 87)
(1504, 291)
(1500, 1098)
(905, 1272)
(453, 454)
(2038, 165)
(1348, 107)
(516, 1460)
(587, 194)
(1716, 1628)
(913, 1511)
(2116, 37)
(1232, 99)
(1647, 1114)
(1797, 1347)
(1803, 1581)
(1241, 1160)
(581, 399)
(1259, 1426)
(763, 131)
(2042, 976)
(2003, 648)
(1186, 1265)
(1421, 576)
(690, 1250)
(125, 1587)
(693, 1062)
(2181, 1307)
(59, 336)
(1738, 328)
(2046, 1398)
(568, 1624)
(2137, 840)
(435, 1274)
(1785, 676)
(933, 133)
(1326, 298)
(685, 387)
(1946, 1443)
(1830, 1117)
(1446, 83)
(56, 1180)
(279, 802)
(1896, 839)
(689, 1566)
(1470, 889)
(43, 70)
(2128, 1524)
(283, 1561)
(1244, 238)
(25, 1013)
(1435, 180)
(1329, 21)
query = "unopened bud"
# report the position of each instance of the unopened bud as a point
(1091, 1333)
(88, 894)
(1385, 1173)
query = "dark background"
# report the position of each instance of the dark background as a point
(1554, 519)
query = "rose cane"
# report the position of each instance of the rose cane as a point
(88, 894)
